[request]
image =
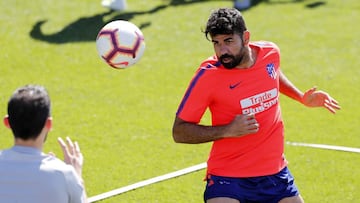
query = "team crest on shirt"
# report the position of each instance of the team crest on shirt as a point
(270, 68)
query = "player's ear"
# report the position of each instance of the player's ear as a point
(246, 37)
(6, 121)
(48, 123)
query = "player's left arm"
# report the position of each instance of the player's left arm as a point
(311, 98)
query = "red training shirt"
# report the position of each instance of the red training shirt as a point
(227, 93)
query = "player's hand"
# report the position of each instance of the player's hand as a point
(315, 98)
(72, 154)
(242, 125)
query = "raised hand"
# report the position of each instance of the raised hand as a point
(316, 98)
(72, 154)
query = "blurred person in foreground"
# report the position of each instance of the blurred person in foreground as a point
(26, 173)
(240, 85)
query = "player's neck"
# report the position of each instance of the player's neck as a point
(37, 143)
(28, 143)
(249, 59)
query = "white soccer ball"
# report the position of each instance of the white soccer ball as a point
(120, 44)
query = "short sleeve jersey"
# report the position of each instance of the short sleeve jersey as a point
(229, 92)
(28, 175)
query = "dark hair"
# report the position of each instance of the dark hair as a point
(225, 21)
(28, 110)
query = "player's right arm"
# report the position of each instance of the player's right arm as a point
(191, 133)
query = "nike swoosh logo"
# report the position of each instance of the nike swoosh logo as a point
(232, 86)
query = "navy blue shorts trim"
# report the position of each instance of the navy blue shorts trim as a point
(263, 189)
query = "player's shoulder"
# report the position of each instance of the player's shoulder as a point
(211, 63)
(208, 70)
(267, 45)
(50, 162)
(57, 167)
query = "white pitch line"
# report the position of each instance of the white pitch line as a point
(323, 146)
(202, 166)
(147, 182)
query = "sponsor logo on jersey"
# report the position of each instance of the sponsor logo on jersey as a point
(260, 102)
(232, 86)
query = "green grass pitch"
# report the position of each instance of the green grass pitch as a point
(123, 118)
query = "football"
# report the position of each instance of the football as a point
(120, 44)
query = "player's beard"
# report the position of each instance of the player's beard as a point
(235, 59)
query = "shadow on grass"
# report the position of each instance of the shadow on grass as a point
(273, 2)
(85, 29)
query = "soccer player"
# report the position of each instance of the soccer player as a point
(26, 173)
(240, 85)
